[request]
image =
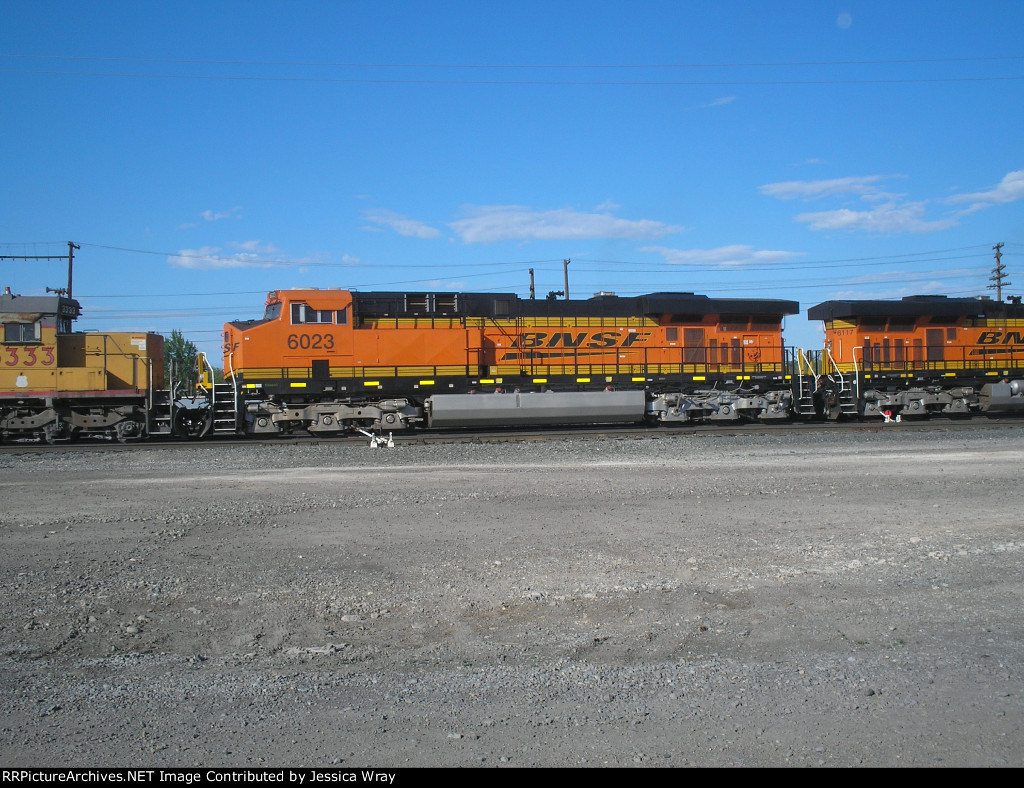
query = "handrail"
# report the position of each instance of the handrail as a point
(802, 361)
(839, 372)
(856, 371)
(234, 384)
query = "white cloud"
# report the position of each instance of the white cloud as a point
(932, 287)
(1010, 189)
(256, 247)
(902, 276)
(216, 216)
(213, 216)
(517, 223)
(401, 224)
(812, 190)
(206, 258)
(441, 285)
(718, 102)
(722, 257)
(888, 218)
(890, 214)
(844, 20)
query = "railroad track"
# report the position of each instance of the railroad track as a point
(597, 432)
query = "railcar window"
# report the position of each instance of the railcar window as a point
(20, 332)
(418, 302)
(447, 302)
(273, 311)
(343, 317)
(303, 314)
(671, 334)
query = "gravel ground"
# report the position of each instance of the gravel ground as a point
(767, 599)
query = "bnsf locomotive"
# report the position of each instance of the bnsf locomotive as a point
(332, 361)
(921, 355)
(329, 360)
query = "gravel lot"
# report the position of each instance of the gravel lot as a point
(768, 599)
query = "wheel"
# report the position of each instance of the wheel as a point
(128, 431)
(192, 423)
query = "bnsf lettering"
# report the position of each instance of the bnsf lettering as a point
(1001, 338)
(599, 339)
(567, 340)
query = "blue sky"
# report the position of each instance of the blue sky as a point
(202, 153)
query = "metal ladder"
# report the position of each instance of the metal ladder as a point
(160, 418)
(224, 409)
(846, 392)
(223, 400)
(807, 384)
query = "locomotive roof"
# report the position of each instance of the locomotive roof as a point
(916, 306)
(601, 305)
(11, 303)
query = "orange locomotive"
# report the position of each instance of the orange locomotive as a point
(923, 354)
(330, 360)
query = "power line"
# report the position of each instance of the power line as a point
(241, 262)
(527, 82)
(525, 66)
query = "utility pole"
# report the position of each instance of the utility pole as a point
(565, 273)
(71, 261)
(70, 256)
(999, 274)
(533, 293)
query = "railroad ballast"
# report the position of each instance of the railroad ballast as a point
(333, 361)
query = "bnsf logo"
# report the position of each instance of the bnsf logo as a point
(1001, 338)
(583, 339)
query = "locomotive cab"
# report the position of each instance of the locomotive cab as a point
(303, 334)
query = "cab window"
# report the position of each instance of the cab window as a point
(20, 332)
(303, 314)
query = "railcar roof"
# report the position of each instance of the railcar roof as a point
(601, 305)
(916, 306)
